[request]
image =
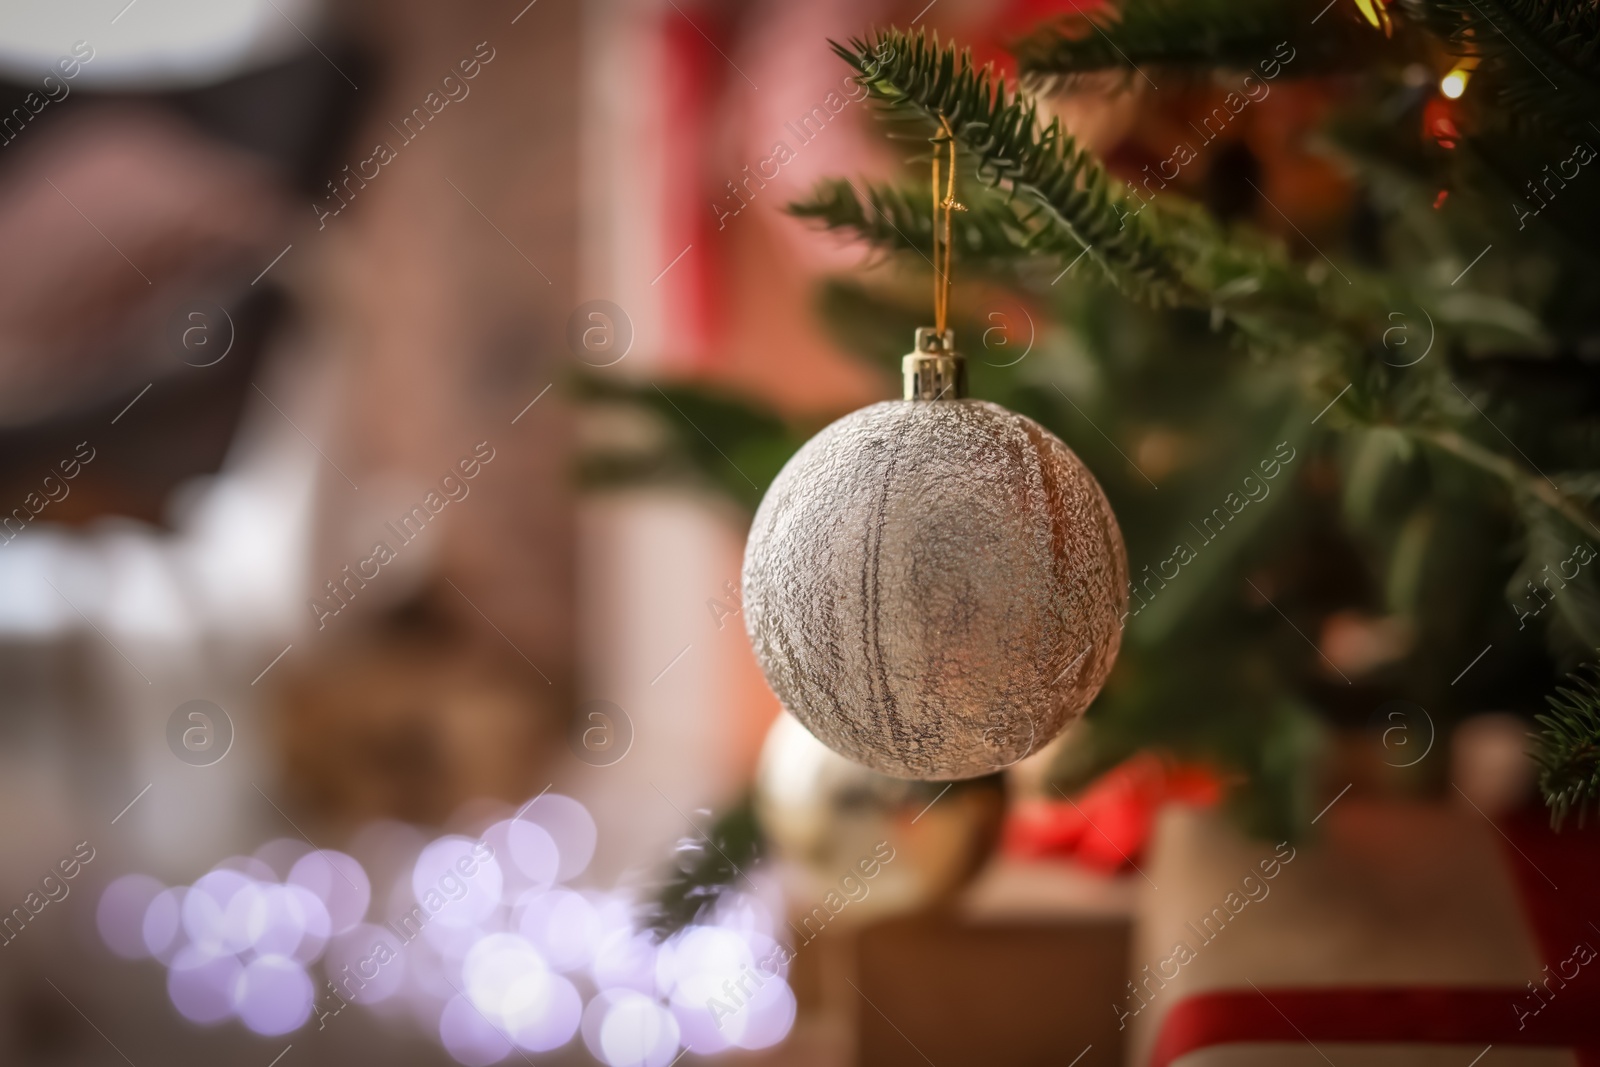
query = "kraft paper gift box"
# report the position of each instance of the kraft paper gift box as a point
(1402, 933)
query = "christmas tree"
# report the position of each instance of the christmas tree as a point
(1348, 432)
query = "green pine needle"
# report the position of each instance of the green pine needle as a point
(1568, 752)
(895, 219)
(1061, 193)
(1194, 37)
(708, 867)
(1044, 204)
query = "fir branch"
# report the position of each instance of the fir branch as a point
(1568, 747)
(1240, 277)
(1540, 57)
(1192, 36)
(707, 867)
(706, 435)
(900, 219)
(1573, 628)
(1517, 477)
(1169, 251)
(1059, 185)
(1062, 205)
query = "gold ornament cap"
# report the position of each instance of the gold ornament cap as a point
(934, 370)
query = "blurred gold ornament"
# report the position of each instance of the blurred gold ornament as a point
(853, 845)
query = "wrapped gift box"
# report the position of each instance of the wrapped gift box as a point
(1016, 974)
(1404, 933)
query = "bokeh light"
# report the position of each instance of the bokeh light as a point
(469, 1037)
(542, 1011)
(527, 853)
(338, 881)
(205, 908)
(163, 924)
(121, 911)
(625, 960)
(201, 985)
(562, 925)
(457, 881)
(479, 940)
(366, 964)
(628, 1029)
(572, 827)
(273, 995)
(768, 1016)
(492, 965)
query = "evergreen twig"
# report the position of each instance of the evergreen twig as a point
(900, 219)
(1515, 476)
(1058, 184)
(708, 866)
(1568, 749)
(1191, 36)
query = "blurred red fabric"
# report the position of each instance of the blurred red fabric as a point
(1106, 828)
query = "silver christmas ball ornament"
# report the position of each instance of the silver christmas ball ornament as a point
(935, 586)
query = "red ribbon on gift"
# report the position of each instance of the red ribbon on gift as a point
(1541, 863)
(1372, 1015)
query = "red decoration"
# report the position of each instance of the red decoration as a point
(1439, 122)
(1107, 827)
(991, 38)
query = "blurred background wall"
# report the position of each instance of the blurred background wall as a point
(276, 275)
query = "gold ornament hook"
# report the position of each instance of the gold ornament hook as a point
(943, 209)
(933, 369)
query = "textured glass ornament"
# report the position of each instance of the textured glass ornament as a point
(935, 586)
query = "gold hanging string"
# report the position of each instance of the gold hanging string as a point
(943, 208)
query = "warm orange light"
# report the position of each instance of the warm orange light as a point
(1454, 83)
